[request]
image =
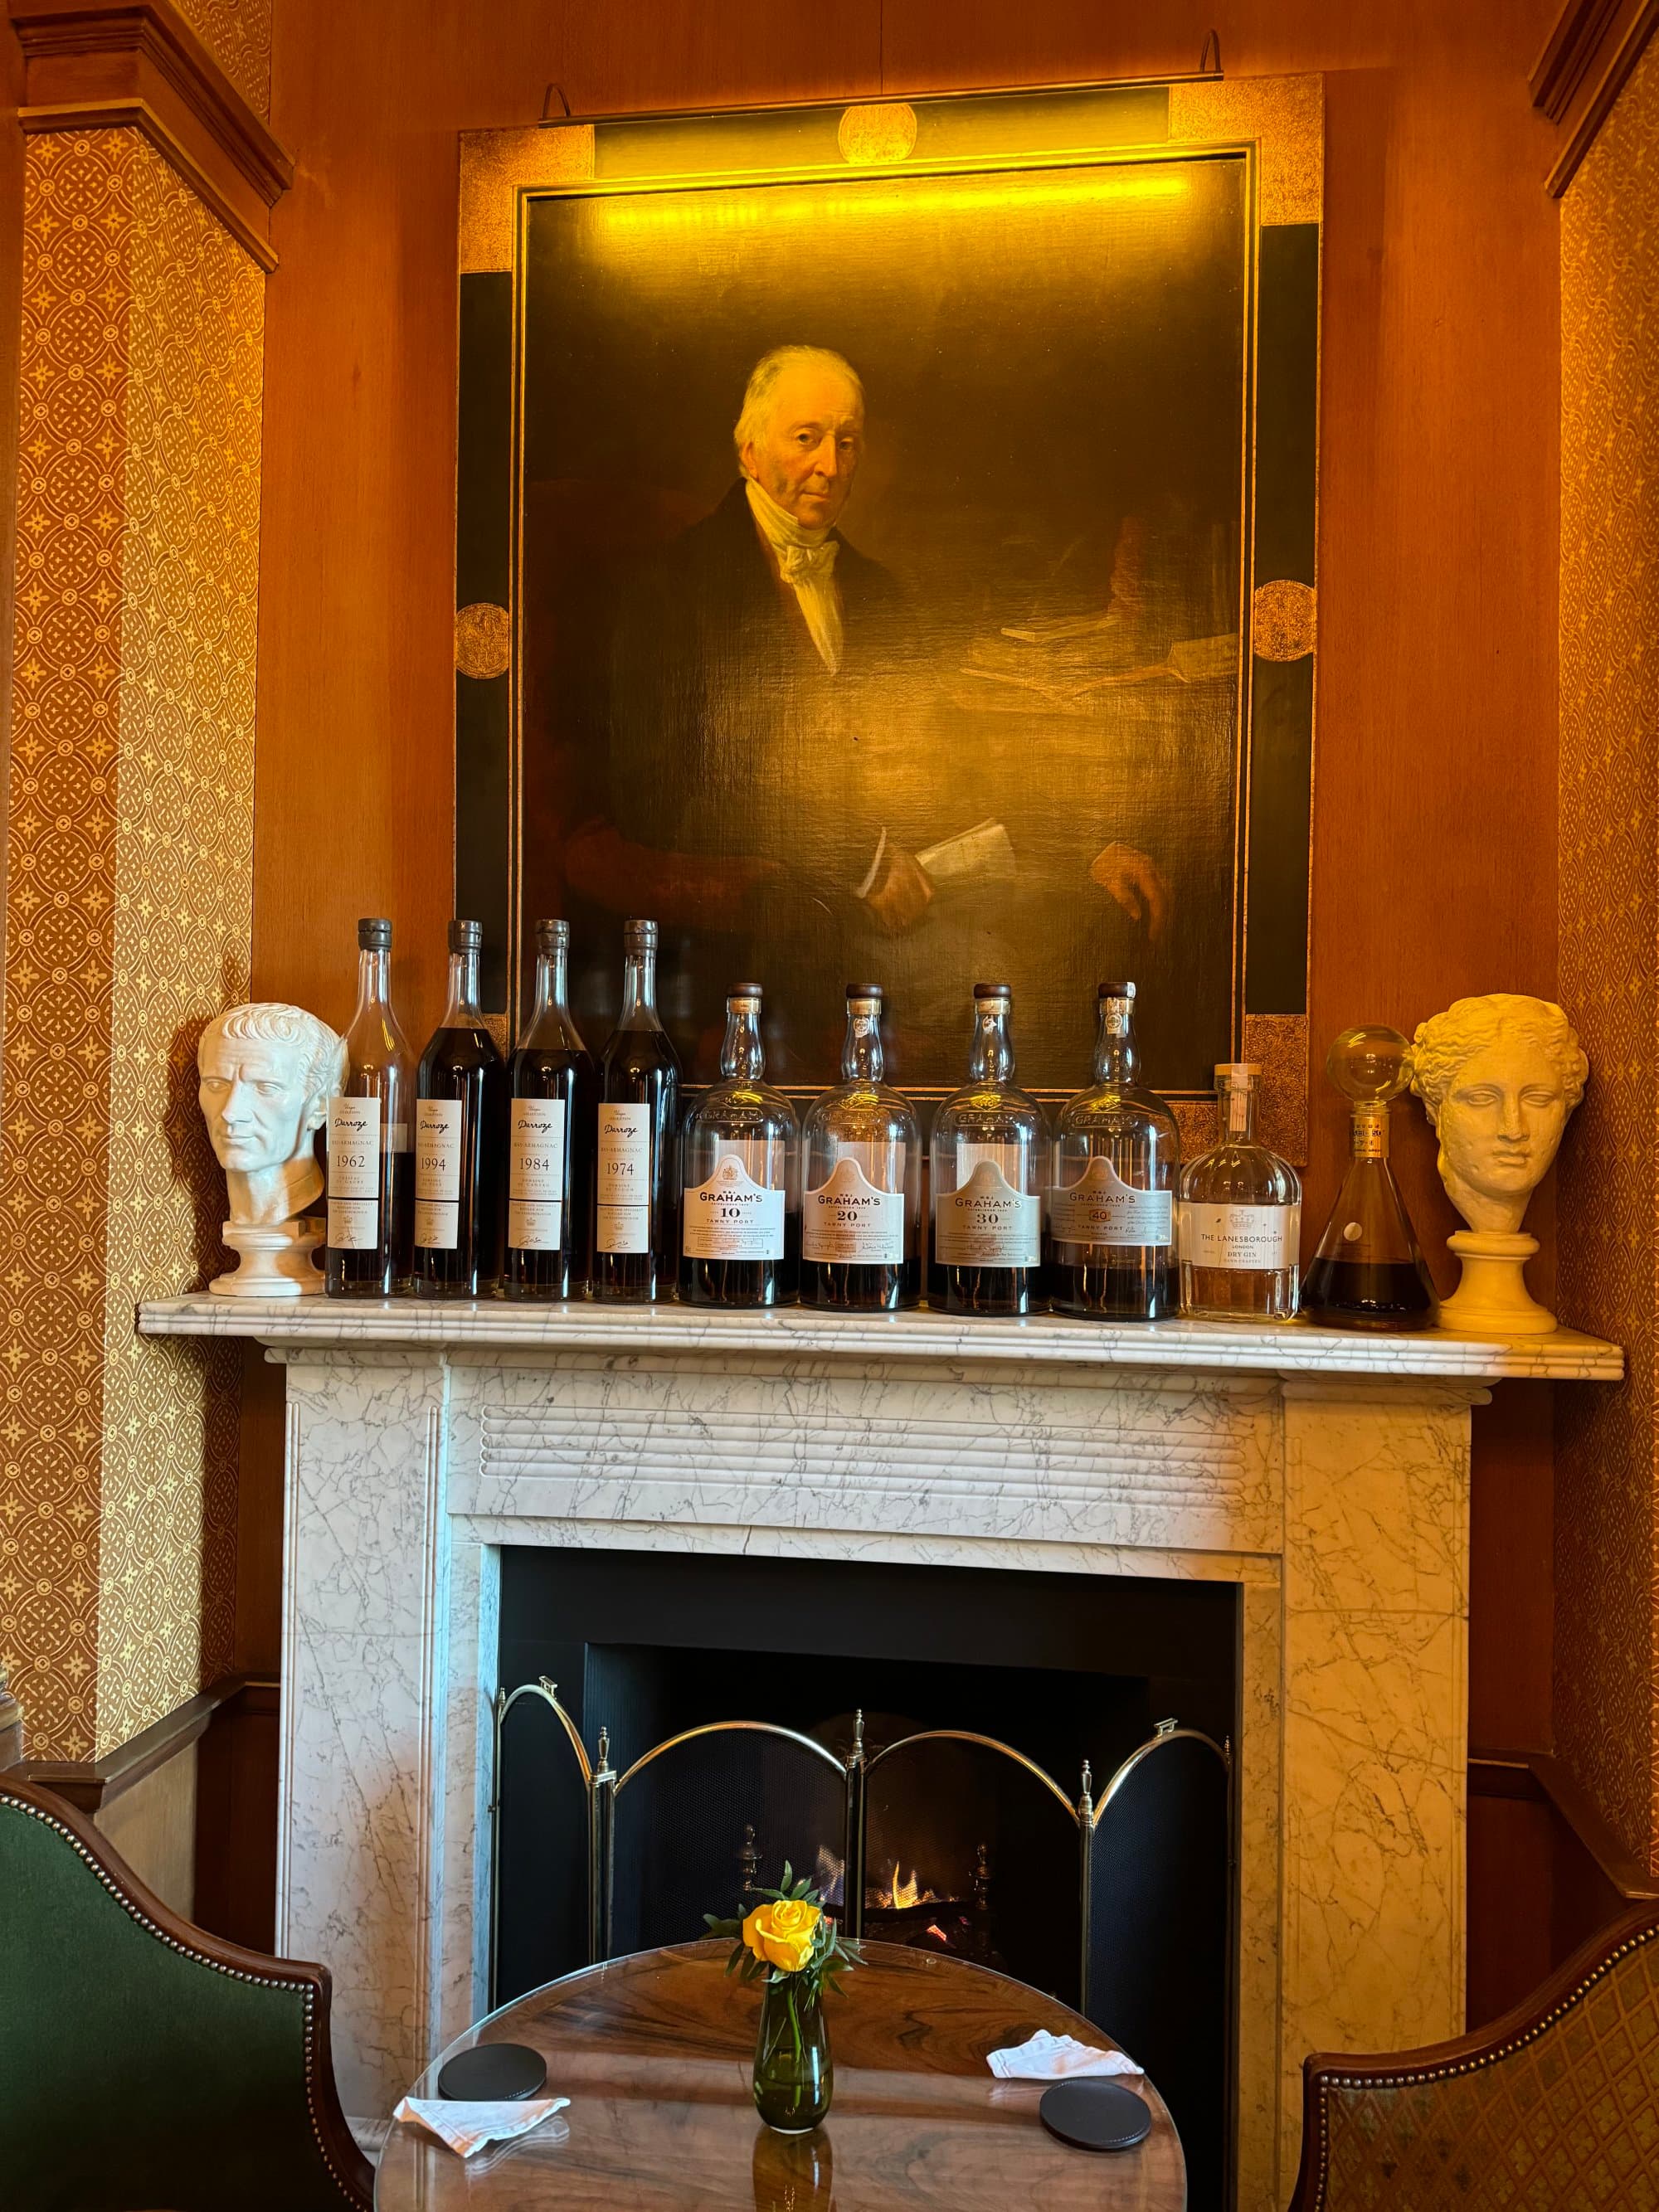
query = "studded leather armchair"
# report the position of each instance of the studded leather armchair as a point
(1554, 2108)
(145, 2062)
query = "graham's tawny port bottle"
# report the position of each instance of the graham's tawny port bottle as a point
(861, 1208)
(740, 1170)
(989, 1158)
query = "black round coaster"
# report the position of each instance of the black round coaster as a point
(493, 2073)
(1095, 2115)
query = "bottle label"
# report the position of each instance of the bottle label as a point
(733, 1217)
(1371, 1132)
(987, 1223)
(353, 1148)
(438, 1174)
(535, 1199)
(847, 1219)
(623, 1213)
(1240, 1236)
(1101, 1208)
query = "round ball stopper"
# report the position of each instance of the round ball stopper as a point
(1371, 1065)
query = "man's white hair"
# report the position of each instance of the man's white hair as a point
(270, 1022)
(758, 398)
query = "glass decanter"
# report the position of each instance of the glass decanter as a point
(1240, 1217)
(739, 1205)
(1111, 1206)
(1368, 1272)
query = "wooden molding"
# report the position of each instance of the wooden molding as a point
(90, 1784)
(1596, 44)
(1568, 53)
(90, 64)
(1541, 1778)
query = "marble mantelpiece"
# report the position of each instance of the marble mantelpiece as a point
(1326, 1475)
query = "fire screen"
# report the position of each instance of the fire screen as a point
(941, 1839)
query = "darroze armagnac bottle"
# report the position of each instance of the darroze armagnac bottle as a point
(370, 1159)
(636, 1180)
(461, 1139)
(554, 1092)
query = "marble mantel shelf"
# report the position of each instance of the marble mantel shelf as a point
(1293, 1348)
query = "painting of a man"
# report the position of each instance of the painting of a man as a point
(884, 704)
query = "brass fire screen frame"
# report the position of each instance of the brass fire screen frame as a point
(602, 1786)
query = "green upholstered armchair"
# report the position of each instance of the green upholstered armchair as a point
(146, 2066)
(1553, 2108)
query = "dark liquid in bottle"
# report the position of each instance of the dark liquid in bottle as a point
(556, 1072)
(976, 1289)
(639, 1069)
(1366, 1294)
(861, 1287)
(464, 1064)
(745, 1282)
(1139, 1285)
(377, 1271)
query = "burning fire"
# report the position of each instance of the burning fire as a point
(899, 1895)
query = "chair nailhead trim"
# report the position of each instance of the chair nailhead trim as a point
(217, 1967)
(1475, 2064)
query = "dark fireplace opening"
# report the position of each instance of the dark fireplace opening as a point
(1029, 1770)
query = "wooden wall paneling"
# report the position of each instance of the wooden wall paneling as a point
(1435, 806)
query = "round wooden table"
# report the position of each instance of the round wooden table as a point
(655, 2054)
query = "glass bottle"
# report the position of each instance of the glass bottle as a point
(636, 1191)
(553, 1101)
(794, 2073)
(1111, 1207)
(740, 1155)
(1240, 1216)
(370, 1211)
(461, 1137)
(989, 1157)
(1367, 1272)
(861, 1209)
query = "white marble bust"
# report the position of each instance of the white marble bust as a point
(265, 1074)
(1498, 1077)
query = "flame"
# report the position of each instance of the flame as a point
(905, 1893)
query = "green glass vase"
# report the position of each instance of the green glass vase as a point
(795, 2074)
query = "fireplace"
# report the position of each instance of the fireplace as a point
(1319, 1480)
(1029, 1770)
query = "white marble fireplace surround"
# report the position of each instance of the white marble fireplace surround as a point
(1325, 1475)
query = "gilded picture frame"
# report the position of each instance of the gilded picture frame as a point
(1161, 245)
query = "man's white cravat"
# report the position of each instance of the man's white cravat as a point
(806, 562)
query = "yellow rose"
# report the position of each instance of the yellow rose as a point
(783, 1934)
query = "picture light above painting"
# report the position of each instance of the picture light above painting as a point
(886, 549)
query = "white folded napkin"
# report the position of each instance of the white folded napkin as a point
(1055, 2058)
(467, 2127)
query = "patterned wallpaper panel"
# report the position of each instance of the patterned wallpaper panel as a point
(129, 910)
(1606, 1555)
(237, 33)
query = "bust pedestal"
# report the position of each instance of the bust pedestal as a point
(275, 1259)
(1491, 1299)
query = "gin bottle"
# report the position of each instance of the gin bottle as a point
(1111, 1205)
(635, 1191)
(739, 1209)
(1240, 1216)
(554, 1089)
(370, 1159)
(460, 1136)
(989, 1157)
(861, 1209)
